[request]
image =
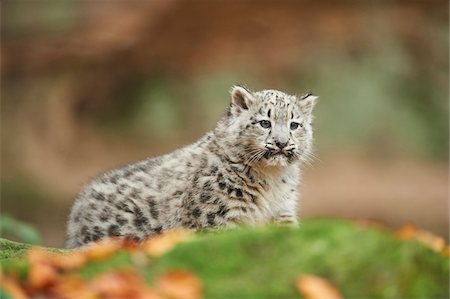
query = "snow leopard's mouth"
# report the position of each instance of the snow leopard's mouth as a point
(278, 153)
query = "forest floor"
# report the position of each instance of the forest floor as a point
(325, 257)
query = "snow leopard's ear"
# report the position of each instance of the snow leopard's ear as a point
(307, 102)
(241, 97)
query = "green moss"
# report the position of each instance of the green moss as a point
(265, 263)
(10, 249)
(15, 250)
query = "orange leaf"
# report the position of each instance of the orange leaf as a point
(180, 284)
(41, 275)
(68, 261)
(72, 287)
(102, 249)
(163, 243)
(123, 284)
(409, 232)
(315, 287)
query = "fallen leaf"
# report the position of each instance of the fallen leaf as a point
(122, 284)
(163, 243)
(71, 287)
(102, 249)
(410, 232)
(180, 284)
(40, 274)
(116, 285)
(68, 261)
(406, 232)
(315, 287)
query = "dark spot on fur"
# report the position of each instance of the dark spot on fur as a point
(239, 193)
(104, 215)
(253, 198)
(222, 185)
(229, 190)
(88, 218)
(244, 209)
(204, 197)
(98, 196)
(157, 229)
(111, 198)
(222, 210)
(139, 219)
(207, 186)
(134, 193)
(229, 111)
(84, 230)
(77, 217)
(211, 218)
(87, 238)
(195, 180)
(153, 209)
(97, 234)
(123, 207)
(121, 220)
(197, 212)
(113, 179)
(214, 169)
(113, 230)
(283, 180)
(177, 193)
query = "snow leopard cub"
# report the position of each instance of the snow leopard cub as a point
(245, 171)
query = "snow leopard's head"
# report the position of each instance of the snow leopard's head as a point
(269, 127)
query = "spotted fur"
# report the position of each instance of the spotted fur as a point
(245, 171)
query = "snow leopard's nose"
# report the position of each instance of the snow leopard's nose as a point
(280, 144)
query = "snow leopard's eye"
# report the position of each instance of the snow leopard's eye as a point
(265, 124)
(295, 125)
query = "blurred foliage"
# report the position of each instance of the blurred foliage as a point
(376, 102)
(39, 17)
(23, 232)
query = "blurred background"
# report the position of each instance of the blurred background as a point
(91, 85)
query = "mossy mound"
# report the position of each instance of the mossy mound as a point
(264, 263)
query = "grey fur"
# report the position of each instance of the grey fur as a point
(235, 174)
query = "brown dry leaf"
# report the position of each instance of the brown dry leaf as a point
(406, 232)
(40, 274)
(180, 284)
(72, 287)
(102, 249)
(315, 287)
(116, 285)
(163, 243)
(410, 232)
(122, 284)
(68, 261)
